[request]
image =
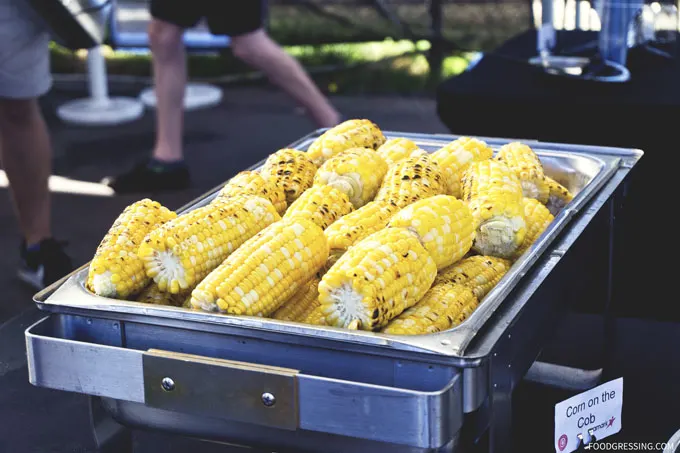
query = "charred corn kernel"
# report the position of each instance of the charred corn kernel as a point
(411, 180)
(349, 134)
(316, 317)
(252, 183)
(321, 204)
(183, 251)
(376, 280)
(291, 170)
(521, 159)
(437, 311)
(494, 194)
(152, 295)
(455, 157)
(537, 217)
(559, 196)
(357, 225)
(443, 225)
(356, 172)
(479, 273)
(117, 271)
(301, 304)
(266, 271)
(397, 149)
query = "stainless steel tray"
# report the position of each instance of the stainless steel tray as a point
(582, 169)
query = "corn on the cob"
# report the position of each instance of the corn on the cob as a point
(537, 217)
(357, 225)
(410, 180)
(183, 251)
(494, 195)
(357, 172)
(440, 309)
(252, 183)
(265, 271)
(397, 149)
(117, 271)
(376, 280)
(443, 225)
(290, 169)
(316, 317)
(521, 159)
(559, 196)
(321, 204)
(301, 304)
(349, 134)
(454, 158)
(152, 295)
(479, 273)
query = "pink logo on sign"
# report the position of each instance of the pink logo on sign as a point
(562, 442)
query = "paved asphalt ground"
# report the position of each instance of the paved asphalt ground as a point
(248, 125)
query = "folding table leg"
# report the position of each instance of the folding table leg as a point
(109, 435)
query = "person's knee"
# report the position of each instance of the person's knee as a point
(165, 38)
(250, 46)
(18, 112)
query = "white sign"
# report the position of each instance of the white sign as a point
(596, 412)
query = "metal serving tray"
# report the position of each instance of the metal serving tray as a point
(582, 169)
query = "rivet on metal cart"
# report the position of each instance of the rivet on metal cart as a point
(294, 387)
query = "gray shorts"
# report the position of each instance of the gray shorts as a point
(24, 52)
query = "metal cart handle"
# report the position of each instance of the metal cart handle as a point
(243, 392)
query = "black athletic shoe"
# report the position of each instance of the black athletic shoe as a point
(45, 265)
(147, 178)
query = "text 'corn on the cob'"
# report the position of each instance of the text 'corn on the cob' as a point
(290, 169)
(454, 158)
(301, 304)
(522, 160)
(348, 134)
(538, 218)
(117, 270)
(397, 149)
(559, 196)
(478, 272)
(410, 180)
(252, 183)
(321, 204)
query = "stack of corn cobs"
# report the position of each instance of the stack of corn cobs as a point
(358, 232)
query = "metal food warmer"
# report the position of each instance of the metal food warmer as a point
(292, 387)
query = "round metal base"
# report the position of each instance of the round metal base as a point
(101, 112)
(580, 68)
(196, 96)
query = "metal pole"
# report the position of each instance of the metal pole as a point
(96, 66)
(436, 54)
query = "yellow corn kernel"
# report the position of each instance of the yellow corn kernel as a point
(301, 304)
(117, 271)
(398, 149)
(376, 280)
(410, 180)
(440, 309)
(479, 273)
(349, 134)
(521, 159)
(182, 252)
(290, 169)
(443, 225)
(265, 271)
(316, 317)
(455, 157)
(357, 172)
(494, 195)
(538, 218)
(559, 196)
(321, 204)
(252, 183)
(152, 295)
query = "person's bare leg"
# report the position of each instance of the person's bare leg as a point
(27, 160)
(170, 77)
(258, 50)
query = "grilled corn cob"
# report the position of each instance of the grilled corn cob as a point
(316, 317)
(537, 217)
(252, 183)
(455, 157)
(357, 172)
(443, 225)
(411, 180)
(152, 295)
(291, 170)
(349, 134)
(376, 280)
(440, 309)
(321, 204)
(117, 271)
(183, 251)
(301, 304)
(521, 159)
(397, 149)
(266, 271)
(479, 273)
(494, 195)
(559, 196)
(357, 225)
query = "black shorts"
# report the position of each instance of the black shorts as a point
(224, 17)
